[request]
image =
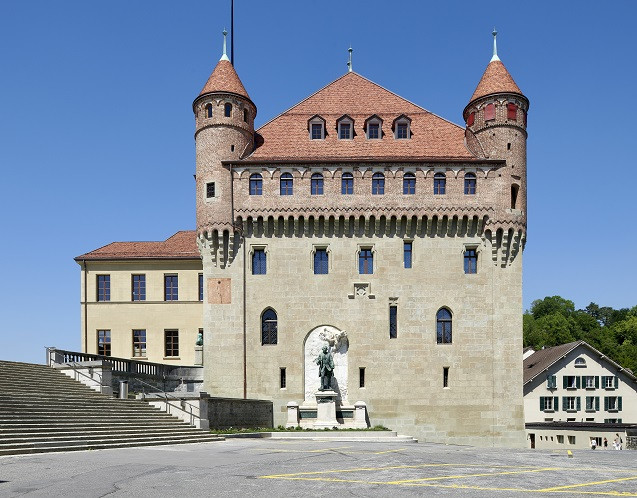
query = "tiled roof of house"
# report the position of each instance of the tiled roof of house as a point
(496, 79)
(224, 79)
(544, 358)
(539, 361)
(287, 135)
(182, 245)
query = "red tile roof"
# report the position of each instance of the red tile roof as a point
(224, 79)
(182, 245)
(496, 79)
(287, 135)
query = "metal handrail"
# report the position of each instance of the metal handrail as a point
(166, 394)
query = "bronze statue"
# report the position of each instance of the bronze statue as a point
(325, 361)
(199, 339)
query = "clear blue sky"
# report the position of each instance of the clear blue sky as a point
(97, 141)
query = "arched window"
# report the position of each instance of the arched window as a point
(378, 184)
(209, 111)
(286, 184)
(471, 119)
(245, 115)
(347, 184)
(469, 184)
(440, 183)
(514, 195)
(256, 184)
(443, 326)
(409, 183)
(316, 185)
(268, 327)
(580, 362)
(227, 110)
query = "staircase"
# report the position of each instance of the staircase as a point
(43, 410)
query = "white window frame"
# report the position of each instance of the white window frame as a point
(590, 382)
(571, 405)
(316, 120)
(548, 400)
(609, 382)
(573, 384)
(613, 400)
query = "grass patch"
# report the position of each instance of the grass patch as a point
(280, 428)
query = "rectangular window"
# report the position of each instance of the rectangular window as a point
(361, 377)
(548, 403)
(612, 403)
(589, 381)
(393, 322)
(489, 112)
(171, 291)
(610, 382)
(560, 438)
(320, 262)
(201, 287)
(471, 119)
(139, 288)
(171, 341)
(592, 403)
(407, 247)
(210, 189)
(345, 131)
(103, 287)
(571, 403)
(317, 131)
(316, 184)
(445, 376)
(551, 382)
(372, 130)
(139, 342)
(347, 184)
(571, 382)
(259, 262)
(365, 262)
(282, 378)
(470, 261)
(104, 342)
(571, 440)
(402, 130)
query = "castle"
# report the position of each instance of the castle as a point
(361, 220)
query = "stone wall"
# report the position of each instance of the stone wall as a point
(239, 413)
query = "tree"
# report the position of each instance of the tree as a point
(552, 304)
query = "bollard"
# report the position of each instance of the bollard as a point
(123, 389)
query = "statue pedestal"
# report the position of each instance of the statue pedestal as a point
(326, 409)
(198, 355)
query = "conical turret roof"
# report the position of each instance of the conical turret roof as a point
(496, 79)
(224, 79)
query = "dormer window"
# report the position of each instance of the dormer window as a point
(402, 128)
(316, 126)
(345, 127)
(227, 110)
(374, 128)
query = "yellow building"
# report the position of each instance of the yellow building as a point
(143, 300)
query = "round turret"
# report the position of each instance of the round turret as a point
(224, 131)
(495, 121)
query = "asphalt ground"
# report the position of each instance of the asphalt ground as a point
(264, 468)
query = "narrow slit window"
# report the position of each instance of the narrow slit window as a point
(407, 253)
(393, 322)
(361, 377)
(227, 110)
(283, 378)
(445, 376)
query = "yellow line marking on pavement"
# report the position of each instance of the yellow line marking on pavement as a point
(395, 467)
(461, 476)
(570, 486)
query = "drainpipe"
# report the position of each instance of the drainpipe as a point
(85, 309)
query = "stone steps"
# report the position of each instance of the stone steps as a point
(43, 410)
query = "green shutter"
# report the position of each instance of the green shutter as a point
(578, 404)
(564, 382)
(597, 403)
(605, 403)
(553, 381)
(597, 382)
(556, 403)
(577, 384)
(619, 420)
(564, 404)
(603, 381)
(616, 382)
(619, 403)
(542, 403)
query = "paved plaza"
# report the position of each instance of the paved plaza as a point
(264, 468)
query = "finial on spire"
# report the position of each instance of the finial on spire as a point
(495, 47)
(349, 62)
(224, 57)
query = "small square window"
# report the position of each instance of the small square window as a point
(210, 189)
(316, 131)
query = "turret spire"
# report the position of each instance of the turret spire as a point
(224, 57)
(349, 62)
(495, 47)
